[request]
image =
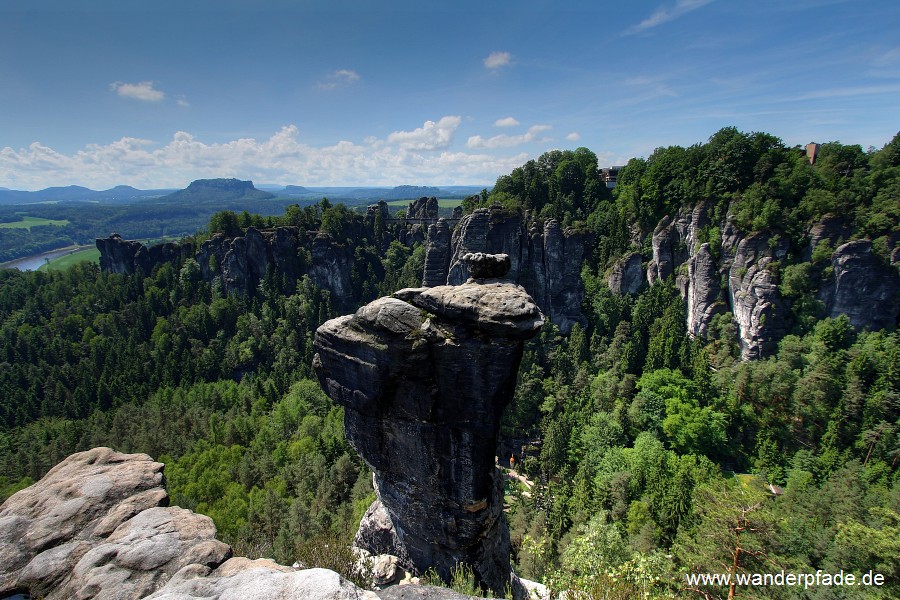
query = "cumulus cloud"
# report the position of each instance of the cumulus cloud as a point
(666, 13)
(508, 141)
(431, 136)
(138, 91)
(338, 78)
(495, 60)
(506, 122)
(574, 136)
(281, 158)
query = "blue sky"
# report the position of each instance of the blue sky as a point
(357, 92)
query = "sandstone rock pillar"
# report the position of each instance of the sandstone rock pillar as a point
(424, 377)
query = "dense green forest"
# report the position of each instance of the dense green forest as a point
(654, 455)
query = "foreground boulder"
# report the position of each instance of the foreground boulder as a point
(424, 377)
(97, 526)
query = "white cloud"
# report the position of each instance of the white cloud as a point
(574, 136)
(508, 141)
(182, 101)
(495, 60)
(338, 78)
(431, 136)
(506, 122)
(664, 14)
(139, 91)
(281, 158)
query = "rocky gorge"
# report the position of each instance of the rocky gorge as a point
(718, 268)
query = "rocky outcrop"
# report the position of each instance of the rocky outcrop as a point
(703, 295)
(864, 287)
(116, 254)
(493, 231)
(331, 267)
(423, 208)
(437, 254)
(830, 228)
(758, 307)
(241, 578)
(627, 275)
(97, 526)
(544, 258)
(674, 240)
(240, 263)
(129, 256)
(424, 377)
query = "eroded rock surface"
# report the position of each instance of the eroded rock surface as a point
(864, 287)
(244, 579)
(424, 378)
(626, 275)
(94, 522)
(96, 526)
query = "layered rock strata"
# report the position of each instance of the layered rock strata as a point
(424, 377)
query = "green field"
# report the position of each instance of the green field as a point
(64, 262)
(29, 222)
(442, 203)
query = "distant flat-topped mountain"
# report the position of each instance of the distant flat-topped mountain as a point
(208, 190)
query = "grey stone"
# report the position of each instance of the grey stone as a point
(243, 579)
(423, 410)
(864, 287)
(626, 275)
(703, 294)
(487, 266)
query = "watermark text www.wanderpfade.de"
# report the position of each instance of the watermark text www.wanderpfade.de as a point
(787, 579)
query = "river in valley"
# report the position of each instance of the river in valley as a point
(32, 263)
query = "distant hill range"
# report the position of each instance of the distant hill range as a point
(76, 193)
(226, 190)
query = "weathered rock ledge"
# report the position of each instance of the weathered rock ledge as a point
(424, 377)
(97, 526)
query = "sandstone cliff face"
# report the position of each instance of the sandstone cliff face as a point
(626, 275)
(864, 287)
(129, 256)
(437, 254)
(423, 208)
(242, 262)
(546, 260)
(704, 294)
(756, 303)
(331, 267)
(424, 377)
(97, 526)
(831, 229)
(674, 240)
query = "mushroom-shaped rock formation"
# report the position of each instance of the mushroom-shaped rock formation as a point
(424, 377)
